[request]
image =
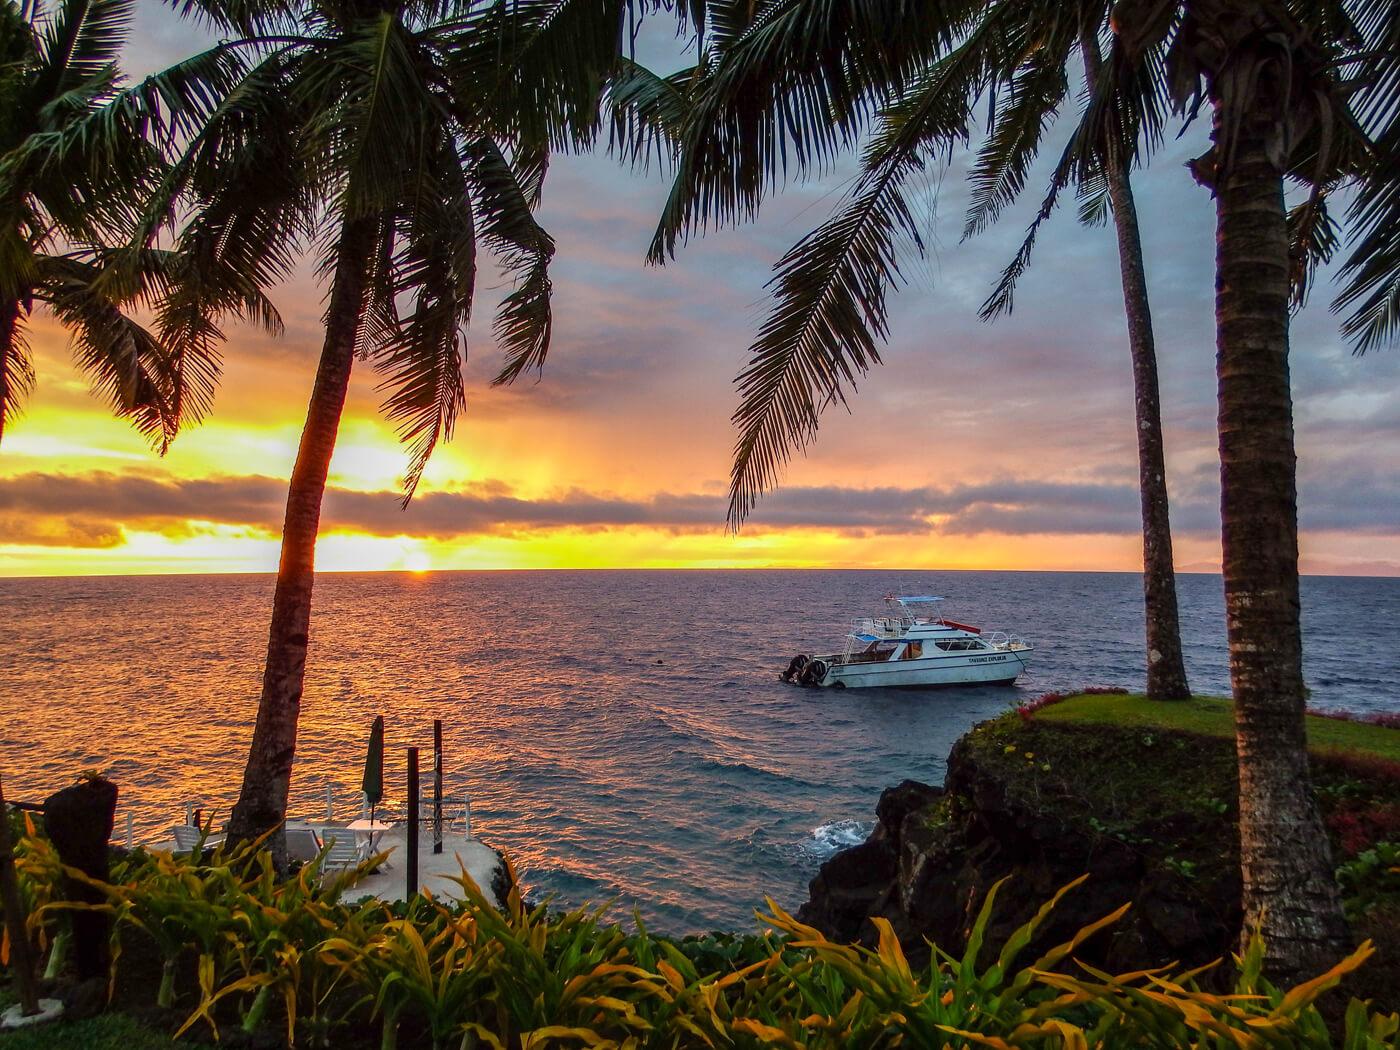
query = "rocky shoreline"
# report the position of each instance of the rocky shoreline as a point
(1149, 817)
(936, 852)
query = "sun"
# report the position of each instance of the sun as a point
(418, 562)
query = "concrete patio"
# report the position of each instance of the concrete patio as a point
(435, 870)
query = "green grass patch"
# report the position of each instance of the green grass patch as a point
(108, 1032)
(1210, 716)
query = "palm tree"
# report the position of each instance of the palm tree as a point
(78, 157)
(1268, 70)
(710, 115)
(1107, 180)
(1269, 73)
(398, 138)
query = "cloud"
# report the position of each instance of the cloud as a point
(90, 510)
(22, 531)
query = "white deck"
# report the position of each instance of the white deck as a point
(435, 870)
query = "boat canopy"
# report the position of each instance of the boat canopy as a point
(918, 599)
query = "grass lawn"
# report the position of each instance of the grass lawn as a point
(1209, 716)
(108, 1032)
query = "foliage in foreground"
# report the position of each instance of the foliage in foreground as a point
(469, 974)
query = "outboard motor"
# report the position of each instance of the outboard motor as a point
(794, 669)
(813, 673)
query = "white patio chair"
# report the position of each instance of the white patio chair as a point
(342, 849)
(302, 844)
(187, 838)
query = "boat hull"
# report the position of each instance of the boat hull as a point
(997, 668)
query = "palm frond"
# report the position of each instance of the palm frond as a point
(16, 368)
(830, 316)
(1120, 123)
(1029, 104)
(537, 68)
(126, 363)
(530, 162)
(1002, 297)
(252, 193)
(82, 41)
(646, 114)
(823, 333)
(178, 103)
(370, 112)
(247, 18)
(785, 92)
(524, 321)
(1313, 236)
(1092, 195)
(434, 272)
(1370, 275)
(199, 288)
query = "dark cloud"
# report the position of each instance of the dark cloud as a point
(20, 530)
(90, 510)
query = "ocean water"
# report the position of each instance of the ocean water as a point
(622, 734)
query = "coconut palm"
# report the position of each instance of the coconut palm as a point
(936, 86)
(1110, 182)
(798, 83)
(397, 139)
(78, 158)
(1269, 72)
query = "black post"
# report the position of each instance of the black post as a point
(437, 785)
(79, 821)
(412, 823)
(21, 963)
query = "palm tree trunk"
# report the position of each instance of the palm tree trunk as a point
(262, 800)
(1166, 668)
(1290, 891)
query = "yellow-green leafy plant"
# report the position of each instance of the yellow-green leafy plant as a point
(428, 960)
(39, 872)
(560, 979)
(276, 928)
(468, 974)
(182, 902)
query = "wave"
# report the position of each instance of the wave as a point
(828, 839)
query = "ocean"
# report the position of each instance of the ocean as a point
(623, 735)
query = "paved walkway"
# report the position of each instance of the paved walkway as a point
(435, 870)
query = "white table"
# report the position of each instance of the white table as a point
(371, 831)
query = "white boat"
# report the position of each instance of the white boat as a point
(912, 645)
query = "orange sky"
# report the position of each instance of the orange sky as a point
(975, 446)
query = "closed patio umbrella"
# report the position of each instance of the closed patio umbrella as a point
(372, 784)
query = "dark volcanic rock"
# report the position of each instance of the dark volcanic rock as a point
(936, 853)
(908, 797)
(855, 883)
(851, 886)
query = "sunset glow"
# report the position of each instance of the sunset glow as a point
(974, 446)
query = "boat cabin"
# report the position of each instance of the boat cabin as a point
(912, 629)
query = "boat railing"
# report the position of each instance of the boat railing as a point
(881, 626)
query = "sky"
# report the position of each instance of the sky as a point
(989, 446)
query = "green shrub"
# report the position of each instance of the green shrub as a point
(466, 974)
